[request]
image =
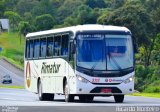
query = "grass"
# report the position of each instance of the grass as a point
(9, 86)
(12, 48)
(153, 95)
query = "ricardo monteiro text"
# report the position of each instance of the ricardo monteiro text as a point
(50, 68)
(138, 109)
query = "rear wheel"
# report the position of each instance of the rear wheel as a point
(119, 98)
(68, 97)
(44, 96)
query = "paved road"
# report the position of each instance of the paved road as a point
(16, 74)
(21, 97)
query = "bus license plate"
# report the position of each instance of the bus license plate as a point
(106, 90)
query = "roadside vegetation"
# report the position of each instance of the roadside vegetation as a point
(13, 87)
(153, 95)
(12, 48)
(142, 17)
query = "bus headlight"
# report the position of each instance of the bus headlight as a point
(128, 80)
(82, 79)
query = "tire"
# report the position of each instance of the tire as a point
(68, 97)
(119, 98)
(90, 98)
(44, 96)
(86, 98)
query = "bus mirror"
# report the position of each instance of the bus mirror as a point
(135, 48)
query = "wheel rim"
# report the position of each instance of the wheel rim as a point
(66, 91)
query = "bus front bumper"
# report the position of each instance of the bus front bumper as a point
(100, 89)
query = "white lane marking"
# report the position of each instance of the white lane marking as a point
(7, 99)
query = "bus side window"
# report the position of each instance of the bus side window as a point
(43, 48)
(65, 40)
(36, 48)
(31, 49)
(57, 45)
(50, 46)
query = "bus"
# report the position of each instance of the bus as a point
(83, 60)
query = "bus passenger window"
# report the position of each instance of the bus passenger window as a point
(36, 48)
(50, 46)
(57, 46)
(64, 50)
(31, 48)
(43, 48)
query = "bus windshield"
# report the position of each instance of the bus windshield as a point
(91, 52)
(104, 52)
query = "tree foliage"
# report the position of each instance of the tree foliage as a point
(44, 22)
(142, 17)
(14, 19)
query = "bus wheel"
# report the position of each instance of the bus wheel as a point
(86, 98)
(44, 96)
(90, 98)
(48, 97)
(118, 98)
(68, 97)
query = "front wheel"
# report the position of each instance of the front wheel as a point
(119, 98)
(68, 97)
(44, 96)
(86, 98)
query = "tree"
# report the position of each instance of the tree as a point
(28, 17)
(43, 7)
(14, 18)
(2, 7)
(24, 28)
(156, 50)
(67, 8)
(96, 3)
(44, 22)
(114, 4)
(84, 15)
(25, 6)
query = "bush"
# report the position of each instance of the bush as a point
(152, 89)
(147, 79)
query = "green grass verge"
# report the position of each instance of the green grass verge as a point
(154, 95)
(9, 86)
(12, 48)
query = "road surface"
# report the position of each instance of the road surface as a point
(15, 73)
(22, 97)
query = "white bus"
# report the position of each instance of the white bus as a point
(84, 61)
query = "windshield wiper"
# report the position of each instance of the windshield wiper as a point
(93, 67)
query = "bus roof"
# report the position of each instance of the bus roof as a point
(77, 28)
